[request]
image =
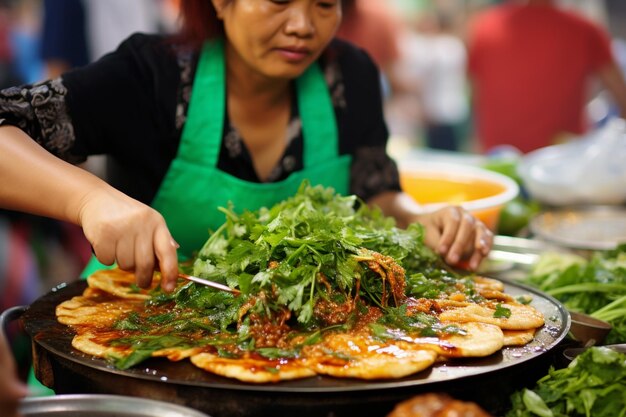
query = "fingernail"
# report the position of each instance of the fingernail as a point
(443, 249)
(454, 258)
(175, 244)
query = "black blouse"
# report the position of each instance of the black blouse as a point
(131, 105)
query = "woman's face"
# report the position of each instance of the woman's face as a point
(278, 38)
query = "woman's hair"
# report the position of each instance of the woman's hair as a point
(199, 21)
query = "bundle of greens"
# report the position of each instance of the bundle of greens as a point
(596, 287)
(318, 245)
(314, 262)
(593, 385)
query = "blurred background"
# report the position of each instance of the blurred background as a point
(421, 47)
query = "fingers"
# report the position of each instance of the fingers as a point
(165, 249)
(458, 229)
(144, 261)
(482, 246)
(456, 234)
(132, 234)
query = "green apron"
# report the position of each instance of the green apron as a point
(194, 187)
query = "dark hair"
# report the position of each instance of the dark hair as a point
(199, 21)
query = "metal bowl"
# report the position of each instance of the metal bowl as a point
(583, 228)
(92, 405)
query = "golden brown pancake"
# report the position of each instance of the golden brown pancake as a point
(360, 356)
(120, 283)
(522, 316)
(248, 369)
(518, 337)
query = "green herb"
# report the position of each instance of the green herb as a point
(594, 384)
(596, 287)
(316, 248)
(501, 312)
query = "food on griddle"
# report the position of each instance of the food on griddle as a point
(437, 405)
(325, 289)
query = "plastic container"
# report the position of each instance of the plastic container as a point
(435, 185)
(589, 170)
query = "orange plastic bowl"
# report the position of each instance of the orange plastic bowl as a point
(434, 185)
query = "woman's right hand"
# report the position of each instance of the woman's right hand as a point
(123, 230)
(119, 228)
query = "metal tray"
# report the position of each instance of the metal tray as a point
(585, 228)
(90, 405)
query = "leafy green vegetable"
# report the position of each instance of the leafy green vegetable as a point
(312, 263)
(309, 247)
(501, 312)
(593, 385)
(596, 287)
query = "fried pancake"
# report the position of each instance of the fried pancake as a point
(258, 369)
(522, 316)
(361, 356)
(120, 283)
(518, 337)
(99, 309)
(436, 405)
(480, 339)
(97, 344)
(484, 283)
(474, 340)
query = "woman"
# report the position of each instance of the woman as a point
(252, 98)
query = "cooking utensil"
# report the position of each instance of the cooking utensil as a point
(209, 283)
(571, 353)
(69, 371)
(83, 405)
(588, 330)
(203, 281)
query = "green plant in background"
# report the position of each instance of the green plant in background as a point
(596, 287)
(517, 213)
(593, 385)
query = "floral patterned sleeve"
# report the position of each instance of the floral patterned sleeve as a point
(40, 110)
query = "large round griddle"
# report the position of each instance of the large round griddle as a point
(488, 381)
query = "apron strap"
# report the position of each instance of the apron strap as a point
(202, 134)
(319, 127)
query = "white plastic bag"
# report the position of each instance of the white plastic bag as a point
(590, 170)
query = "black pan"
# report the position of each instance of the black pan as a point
(487, 381)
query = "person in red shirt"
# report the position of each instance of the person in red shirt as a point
(530, 64)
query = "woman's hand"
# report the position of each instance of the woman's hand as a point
(119, 228)
(451, 231)
(11, 389)
(123, 230)
(457, 236)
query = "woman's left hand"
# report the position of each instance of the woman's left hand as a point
(457, 236)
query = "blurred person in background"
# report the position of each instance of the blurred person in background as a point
(76, 32)
(373, 26)
(8, 72)
(433, 69)
(530, 65)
